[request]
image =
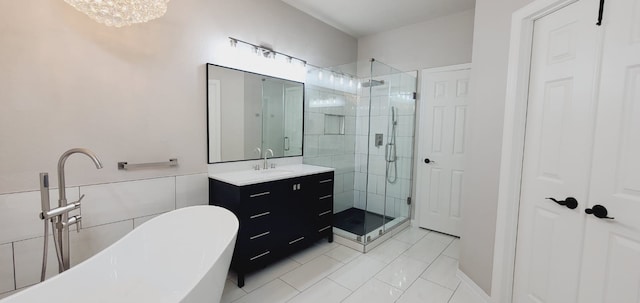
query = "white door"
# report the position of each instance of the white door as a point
(441, 150)
(557, 156)
(611, 264)
(584, 149)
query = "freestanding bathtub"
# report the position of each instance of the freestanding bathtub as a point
(180, 256)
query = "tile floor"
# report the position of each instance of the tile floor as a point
(415, 266)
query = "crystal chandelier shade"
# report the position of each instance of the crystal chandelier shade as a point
(120, 13)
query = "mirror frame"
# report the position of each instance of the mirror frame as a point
(207, 65)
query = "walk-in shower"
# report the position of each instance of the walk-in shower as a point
(373, 108)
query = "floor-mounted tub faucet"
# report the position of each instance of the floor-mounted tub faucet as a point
(60, 216)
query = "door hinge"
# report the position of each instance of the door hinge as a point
(415, 95)
(408, 200)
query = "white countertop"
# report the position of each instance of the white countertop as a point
(248, 177)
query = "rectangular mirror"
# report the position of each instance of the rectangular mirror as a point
(247, 112)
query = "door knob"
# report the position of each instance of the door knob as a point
(569, 202)
(598, 211)
(426, 160)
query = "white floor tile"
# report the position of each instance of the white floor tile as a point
(325, 291)
(388, 251)
(464, 295)
(231, 292)
(453, 250)
(6, 268)
(426, 250)
(411, 235)
(311, 272)
(254, 280)
(314, 251)
(443, 271)
(343, 254)
(423, 291)
(434, 235)
(355, 273)
(374, 291)
(275, 291)
(402, 272)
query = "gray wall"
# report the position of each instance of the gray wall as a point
(439, 42)
(132, 94)
(488, 86)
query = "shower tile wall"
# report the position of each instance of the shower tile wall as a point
(348, 153)
(377, 108)
(327, 148)
(109, 211)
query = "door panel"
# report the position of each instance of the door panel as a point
(611, 264)
(443, 125)
(558, 141)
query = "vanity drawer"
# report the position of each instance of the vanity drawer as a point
(324, 183)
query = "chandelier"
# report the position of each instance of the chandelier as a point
(120, 13)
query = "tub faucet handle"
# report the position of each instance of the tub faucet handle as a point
(77, 220)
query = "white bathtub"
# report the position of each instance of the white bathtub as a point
(180, 256)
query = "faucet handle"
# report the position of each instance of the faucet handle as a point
(81, 197)
(78, 223)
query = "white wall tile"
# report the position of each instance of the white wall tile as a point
(6, 294)
(6, 268)
(338, 183)
(28, 260)
(348, 181)
(19, 213)
(92, 240)
(138, 221)
(192, 190)
(114, 202)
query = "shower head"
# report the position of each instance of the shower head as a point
(372, 83)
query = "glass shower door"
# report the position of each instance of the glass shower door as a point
(391, 116)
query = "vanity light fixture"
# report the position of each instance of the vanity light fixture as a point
(262, 51)
(120, 13)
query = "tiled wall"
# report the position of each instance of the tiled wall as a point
(358, 184)
(109, 211)
(374, 117)
(331, 150)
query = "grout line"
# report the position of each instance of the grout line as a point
(175, 192)
(13, 256)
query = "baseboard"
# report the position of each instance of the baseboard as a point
(473, 287)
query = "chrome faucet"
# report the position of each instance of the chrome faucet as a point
(60, 216)
(265, 164)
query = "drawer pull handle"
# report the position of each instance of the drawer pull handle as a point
(260, 255)
(260, 215)
(296, 240)
(325, 181)
(324, 228)
(260, 235)
(324, 213)
(325, 197)
(260, 194)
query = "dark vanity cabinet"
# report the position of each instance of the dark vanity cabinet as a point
(276, 218)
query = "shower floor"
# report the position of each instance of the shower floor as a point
(353, 220)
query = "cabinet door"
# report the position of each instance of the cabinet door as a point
(293, 222)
